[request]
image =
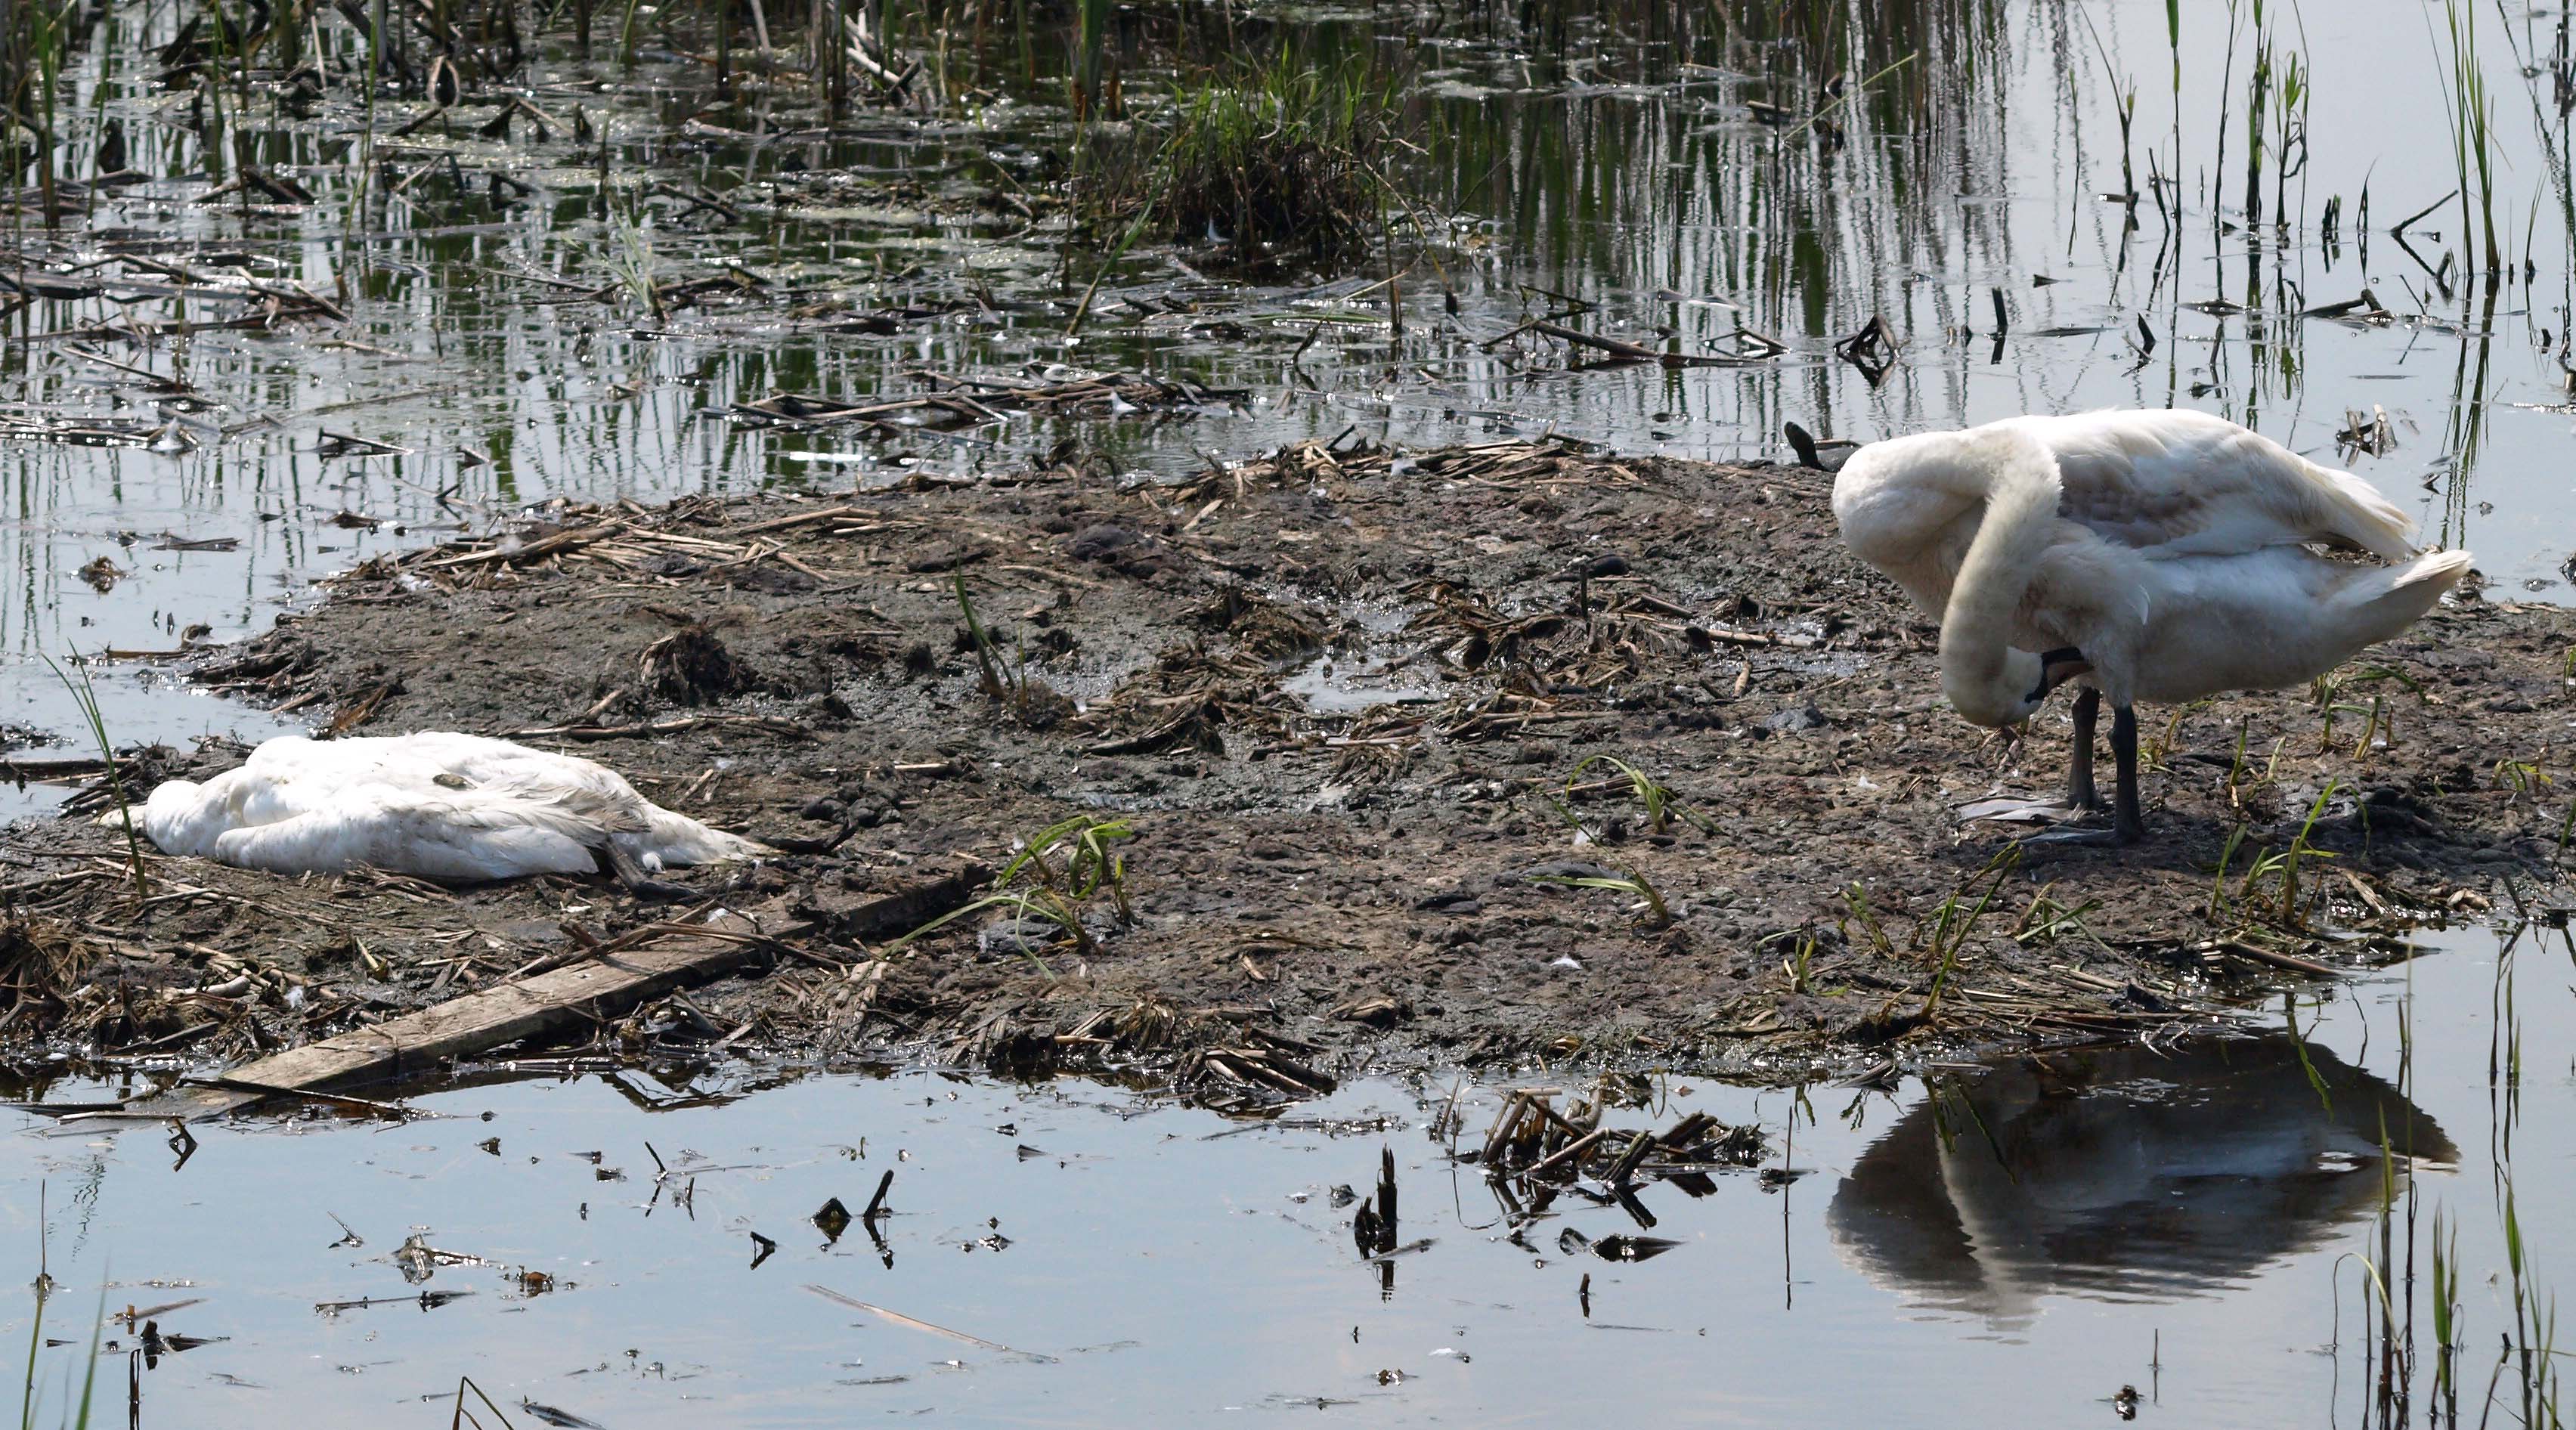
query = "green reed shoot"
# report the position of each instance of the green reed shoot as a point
(633, 262)
(1092, 864)
(2218, 886)
(1657, 914)
(1954, 921)
(2290, 120)
(2524, 777)
(2173, 43)
(85, 696)
(2284, 866)
(1660, 802)
(1856, 899)
(2446, 1316)
(1795, 965)
(2047, 921)
(2472, 120)
(44, 1292)
(993, 672)
(1091, 36)
(44, 1288)
(1092, 860)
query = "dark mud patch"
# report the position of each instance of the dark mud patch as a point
(1312, 886)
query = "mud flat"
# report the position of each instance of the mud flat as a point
(1331, 713)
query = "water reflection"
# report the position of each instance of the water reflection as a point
(2121, 1173)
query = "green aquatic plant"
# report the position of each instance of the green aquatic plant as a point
(2524, 777)
(632, 262)
(1660, 807)
(2471, 115)
(2446, 1318)
(1270, 160)
(43, 1289)
(2218, 887)
(992, 672)
(1856, 899)
(1092, 865)
(85, 697)
(2284, 866)
(1660, 802)
(1955, 920)
(1796, 965)
(2046, 921)
(1657, 913)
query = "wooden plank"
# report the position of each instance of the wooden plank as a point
(616, 978)
(417, 1043)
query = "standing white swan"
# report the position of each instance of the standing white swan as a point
(2160, 555)
(437, 805)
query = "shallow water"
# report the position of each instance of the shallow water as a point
(2010, 1248)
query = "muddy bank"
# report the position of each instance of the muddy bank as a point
(1336, 701)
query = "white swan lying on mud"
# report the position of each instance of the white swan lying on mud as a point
(437, 805)
(2160, 555)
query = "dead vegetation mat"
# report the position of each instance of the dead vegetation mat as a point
(1327, 714)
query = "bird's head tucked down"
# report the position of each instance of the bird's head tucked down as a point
(2009, 693)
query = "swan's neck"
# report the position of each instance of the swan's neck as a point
(1985, 678)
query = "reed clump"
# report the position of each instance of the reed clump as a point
(1267, 164)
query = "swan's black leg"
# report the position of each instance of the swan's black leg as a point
(2126, 827)
(2080, 793)
(638, 882)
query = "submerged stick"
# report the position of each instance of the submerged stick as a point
(900, 1319)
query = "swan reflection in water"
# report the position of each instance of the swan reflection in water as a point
(2121, 1173)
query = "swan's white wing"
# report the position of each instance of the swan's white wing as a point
(436, 804)
(473, 836)
(2176, 482)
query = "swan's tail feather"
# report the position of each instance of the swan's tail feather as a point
(2361, 516)
(2379, 609)
(2445, 567)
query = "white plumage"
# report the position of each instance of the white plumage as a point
(438, 805)
(2159, 555)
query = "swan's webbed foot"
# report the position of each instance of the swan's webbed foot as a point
(2115, 837)
(2082, 798)
(2127, 827)
(638, 880)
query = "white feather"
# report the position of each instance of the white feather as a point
(2160, 483)
(437, 805)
